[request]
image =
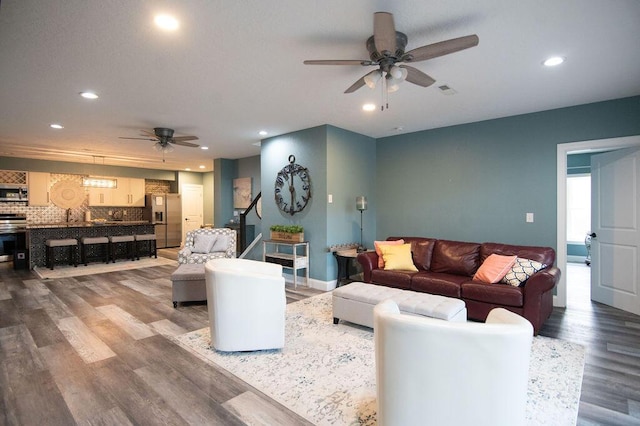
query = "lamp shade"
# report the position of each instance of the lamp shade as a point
(372, 78)
(361, 202)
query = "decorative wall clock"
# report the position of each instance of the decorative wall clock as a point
(293, 187)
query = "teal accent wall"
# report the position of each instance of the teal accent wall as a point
(309, 146)
(476, 182)
(351, 171)
(341, 163)
(25, 164)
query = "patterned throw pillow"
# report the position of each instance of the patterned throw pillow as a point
(522, 271)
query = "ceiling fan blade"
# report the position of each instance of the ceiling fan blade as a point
(148, 133)
(416, 76)
(177, 141)
(442, 48)
(184, 138)
(355, 86)
(141, 139)
(384, 33)
(339, 62)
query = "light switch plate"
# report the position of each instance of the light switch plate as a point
(529, 217)
(330, 198)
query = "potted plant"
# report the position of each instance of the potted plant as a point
(288, 233)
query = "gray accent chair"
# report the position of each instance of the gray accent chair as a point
(204, 244)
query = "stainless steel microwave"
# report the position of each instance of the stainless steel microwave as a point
(10, 192)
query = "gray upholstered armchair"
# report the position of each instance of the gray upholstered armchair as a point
(202, 245)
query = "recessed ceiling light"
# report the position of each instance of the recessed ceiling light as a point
(166, 22)
(89, 95)
(187, 169)
(368, 107)
(263, 133)
(553, 61)
(56, 126)
(202, 167)
(204, 147)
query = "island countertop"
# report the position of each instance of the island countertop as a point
(87, 224)
(38, 233)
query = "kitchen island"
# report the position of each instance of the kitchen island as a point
(38, 233)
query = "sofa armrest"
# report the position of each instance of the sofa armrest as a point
(542, 281)
(369, 261)
(538, 296)
(183, 255)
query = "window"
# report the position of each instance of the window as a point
(578, 207)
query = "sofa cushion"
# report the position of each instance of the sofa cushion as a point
(455, 257)
(397, 257)
(494, 268)
(521, 270)
(396, 279)
(378, 244)
(421, 249)
(545, 255)
(202, 243)
(496, 294)
(438, 283)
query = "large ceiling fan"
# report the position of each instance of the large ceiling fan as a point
(164, 139)
(386, 50)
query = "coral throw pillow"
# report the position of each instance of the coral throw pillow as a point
(377, 245)
(397, 257)
(494, 268)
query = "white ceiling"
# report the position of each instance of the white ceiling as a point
(235, 67)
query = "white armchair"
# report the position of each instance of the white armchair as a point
(246, 302)
(204, 244)
(435, 372)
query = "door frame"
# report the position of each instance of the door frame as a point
(560, 299)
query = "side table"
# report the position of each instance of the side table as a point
(345, 259)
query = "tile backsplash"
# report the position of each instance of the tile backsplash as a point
(55, 214)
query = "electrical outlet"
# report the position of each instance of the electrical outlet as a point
(124, 213)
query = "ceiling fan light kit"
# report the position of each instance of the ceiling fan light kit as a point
(386, 49)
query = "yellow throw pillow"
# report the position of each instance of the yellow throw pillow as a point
(397, 258)
(377, 245)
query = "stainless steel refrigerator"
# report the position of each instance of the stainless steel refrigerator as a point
(165, 212)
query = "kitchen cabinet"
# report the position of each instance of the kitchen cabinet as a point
(101, 197)
(38, 188)
(129, 193)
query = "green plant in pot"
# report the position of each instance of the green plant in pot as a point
(292, 233)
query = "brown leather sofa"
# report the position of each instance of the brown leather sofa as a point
(447, 268)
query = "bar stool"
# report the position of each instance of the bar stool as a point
(90, 241)
(72, 245)
(128, 240)
(146, 238)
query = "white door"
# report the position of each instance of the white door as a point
(615, 218)
(192, 208)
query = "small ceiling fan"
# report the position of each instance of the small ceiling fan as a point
(386, 50)
(164, 139)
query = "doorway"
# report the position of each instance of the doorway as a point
(563, 150)
(578, 226)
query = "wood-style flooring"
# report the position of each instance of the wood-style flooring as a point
(94, 350)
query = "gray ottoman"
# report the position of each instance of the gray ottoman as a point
(188, 284)
(355, 302)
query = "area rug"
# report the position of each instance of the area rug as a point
(67, 271)
(326, 372)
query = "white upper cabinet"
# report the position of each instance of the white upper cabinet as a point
(38, 188)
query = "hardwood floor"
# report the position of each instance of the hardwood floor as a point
(97, 350)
